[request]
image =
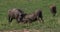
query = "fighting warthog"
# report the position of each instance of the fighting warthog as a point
(15, 14)
(37, 15)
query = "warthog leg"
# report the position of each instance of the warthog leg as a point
(10, 19)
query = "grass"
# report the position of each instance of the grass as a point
(29, 6)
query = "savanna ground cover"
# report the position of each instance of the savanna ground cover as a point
(51, 24)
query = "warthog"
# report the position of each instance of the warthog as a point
(15, 14)
(33, 17)
(53, 9)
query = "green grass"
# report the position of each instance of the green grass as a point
(29, 6)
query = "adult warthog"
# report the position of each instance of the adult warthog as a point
(37, 15)
(53, 9)
(15, 14)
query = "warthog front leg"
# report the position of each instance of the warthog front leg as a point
(10, 19)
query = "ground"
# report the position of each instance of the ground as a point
(51, 24)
